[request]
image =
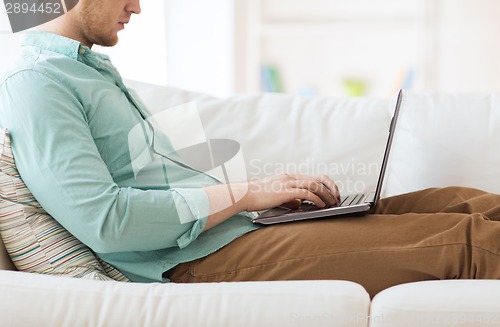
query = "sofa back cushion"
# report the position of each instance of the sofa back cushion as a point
(446, 140)
(442, 139)
(283, 133)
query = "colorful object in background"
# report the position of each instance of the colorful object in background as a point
(307, 91)
(408, 80)
(355, 87)
(404, 80)
(270, 79)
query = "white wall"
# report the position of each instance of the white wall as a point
(140, 54)
(200, 54)
(468, 51)
(191, 44)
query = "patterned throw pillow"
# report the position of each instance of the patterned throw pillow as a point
(34, 240)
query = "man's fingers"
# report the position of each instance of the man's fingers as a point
(294, 204)
(323, 187)
(313, 190)
(332, 186)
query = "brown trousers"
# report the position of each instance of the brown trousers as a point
(432, 234)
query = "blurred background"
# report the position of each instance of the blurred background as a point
(308, 47)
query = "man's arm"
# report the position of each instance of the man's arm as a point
(61, 165)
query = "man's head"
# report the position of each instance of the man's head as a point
(95, 21)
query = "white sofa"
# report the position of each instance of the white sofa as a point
(441, 140)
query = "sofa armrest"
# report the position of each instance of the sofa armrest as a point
(41, 300)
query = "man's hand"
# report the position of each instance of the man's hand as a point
(288, 190)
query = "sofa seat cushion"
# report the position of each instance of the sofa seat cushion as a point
(34, 240)
(61, 302)
(464, 303)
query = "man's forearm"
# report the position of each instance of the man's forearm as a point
(225, 201)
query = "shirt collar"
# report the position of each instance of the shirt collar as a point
(60, 44)
(73, 49)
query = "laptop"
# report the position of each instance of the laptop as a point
(354, 204)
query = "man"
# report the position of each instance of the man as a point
(69, 115)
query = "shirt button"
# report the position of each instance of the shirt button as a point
(82, 51)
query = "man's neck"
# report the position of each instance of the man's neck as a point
(64, 26)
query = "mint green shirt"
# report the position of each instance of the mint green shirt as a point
(69, 115)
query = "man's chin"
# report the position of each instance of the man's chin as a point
(107, 42)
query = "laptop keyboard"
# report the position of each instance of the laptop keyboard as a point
(352, 199)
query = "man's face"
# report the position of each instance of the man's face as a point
(99, 21)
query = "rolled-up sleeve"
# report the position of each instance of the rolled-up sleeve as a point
(192, 207)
